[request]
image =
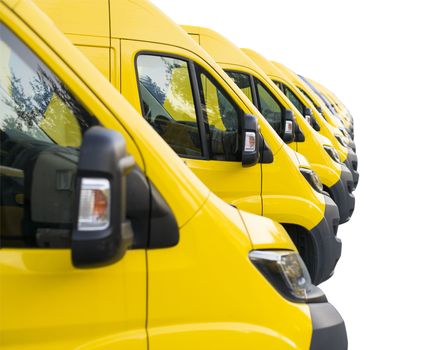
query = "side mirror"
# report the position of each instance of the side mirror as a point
(298, 135)
(311, 119)
(153, 221)
(250, 140)
(265, 151)
(288, 124)
(101, 235)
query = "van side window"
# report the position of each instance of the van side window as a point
(242, 80)
(294, 99)
(278, 84)
(167, 102)
(221, 115)
(41, 128)
(269, 106)
(308, 98)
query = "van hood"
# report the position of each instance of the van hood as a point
(265, 233)
(325, 141)
(300, 160)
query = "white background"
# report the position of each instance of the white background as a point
(383, 59)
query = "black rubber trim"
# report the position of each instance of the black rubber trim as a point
(329, 332)
(352, 145)
(352, 163)
(341, 193)
(319, 248)
(329, 245)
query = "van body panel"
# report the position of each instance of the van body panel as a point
(263, 233)
(327, 130)
(94, 22)
(277, 187)
(232, 182)
(102, 52)
(231, 58)
(245, 180)
(57, 296)
(220, 308)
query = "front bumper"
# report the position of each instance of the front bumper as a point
(341, 193)
(352, 145)
(329, 331)
(352, 163)
(325, 250)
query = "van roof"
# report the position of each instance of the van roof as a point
(130, 19)
(268, 67)
(216, 45)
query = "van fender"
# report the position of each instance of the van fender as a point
(327, 175)
(292, 210)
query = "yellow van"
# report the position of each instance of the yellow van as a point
(103, 248)
(273, 105)
(325, 120)
(340, 119)
(205, 118)
(341, 192)
(338, 102)
(345, 115)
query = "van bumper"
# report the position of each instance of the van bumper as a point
(352, 163)
(341, 193)
(329, 331)
(352, 145)
(326, 245)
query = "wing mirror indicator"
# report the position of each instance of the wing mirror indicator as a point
(250, 142)
(95, 202)
(250, 132)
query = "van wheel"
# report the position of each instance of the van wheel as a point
(303, 241)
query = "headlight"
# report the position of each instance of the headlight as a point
(332, 153)
(312, 178)
(285, 270)
(341, 140)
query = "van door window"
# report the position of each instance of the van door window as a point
(308, 97)
(278, 84)
(167, 102)
(294, 99)
(242, 80)
(269, 106)
(222, 117)
(41, 128)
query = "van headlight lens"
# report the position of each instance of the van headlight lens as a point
(286, 272)
(312, 178)
(332, 153)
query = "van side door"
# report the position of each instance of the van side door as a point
(45, 302)
(194, 115)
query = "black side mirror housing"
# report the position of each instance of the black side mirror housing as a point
(153, 221)
(164, 231)
(311, 119)
(249, 140)
(266, 152)
(101, 181)
(287, 126)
